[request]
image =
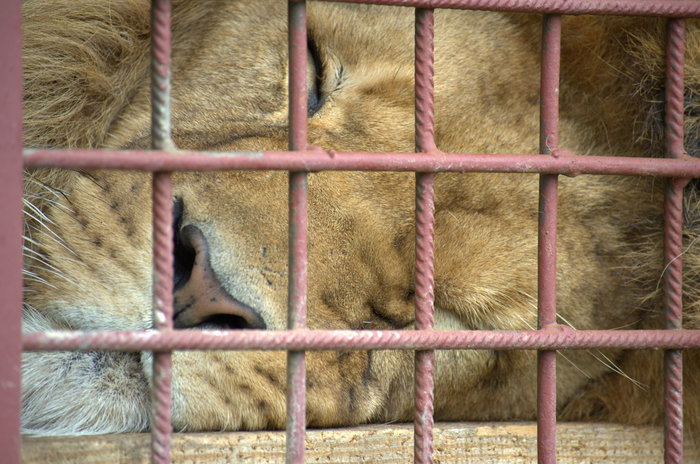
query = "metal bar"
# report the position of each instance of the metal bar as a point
(673, 244)
(425, 218)
(547, 240)
(11, 230)
(549, 338)
(300, 339)
(298, 109)
(424, 58)
(319, 160)
(669, 8)
(298, 259)
(160, 75)
(296, 360)
(162, 315)
(162, 205)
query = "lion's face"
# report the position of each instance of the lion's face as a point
(89, 233)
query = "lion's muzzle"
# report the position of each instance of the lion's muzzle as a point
(200, 301)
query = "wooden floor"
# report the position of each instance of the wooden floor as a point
(454, 443)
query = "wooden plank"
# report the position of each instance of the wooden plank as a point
(454, 442)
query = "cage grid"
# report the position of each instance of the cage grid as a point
(302, 159)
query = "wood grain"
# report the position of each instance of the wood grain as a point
(454, 443)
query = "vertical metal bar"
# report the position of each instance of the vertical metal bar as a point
(162, 312)
(425, 212)
(547, 245)
(298, 110)
(296, 360)
(11, 230)
(298, 196)
(424, 59)
(673, 242)
(162, 229)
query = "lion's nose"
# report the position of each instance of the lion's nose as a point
(200, 300)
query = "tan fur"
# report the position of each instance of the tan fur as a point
(88, 259)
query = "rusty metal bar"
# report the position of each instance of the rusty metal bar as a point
(162, 205)
(425, 218)
(298, 259)
(669, 8)
(319, 160)
(549, 338)
(11, 231)
(547, 240)
(673, 244)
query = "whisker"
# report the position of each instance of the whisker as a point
(607, 362)
(559, 353)
(33, 277)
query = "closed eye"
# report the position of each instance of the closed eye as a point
(314, 79)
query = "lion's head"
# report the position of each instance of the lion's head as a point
(88, 234)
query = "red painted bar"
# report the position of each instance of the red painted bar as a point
(425, 218)
(670, 8)
(319, 160)
(296, 360)
(298, 259)
(298, 212)
(162, 205)
(547, 240)
(550, 338)
(424, 60)
(673, 244)
(298, 339)
(162, 314)
(160, 74)
(11, 231)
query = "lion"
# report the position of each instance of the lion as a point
(88, 233)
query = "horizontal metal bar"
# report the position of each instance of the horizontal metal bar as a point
(669, 8)
(319, 160)
(550, 338)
